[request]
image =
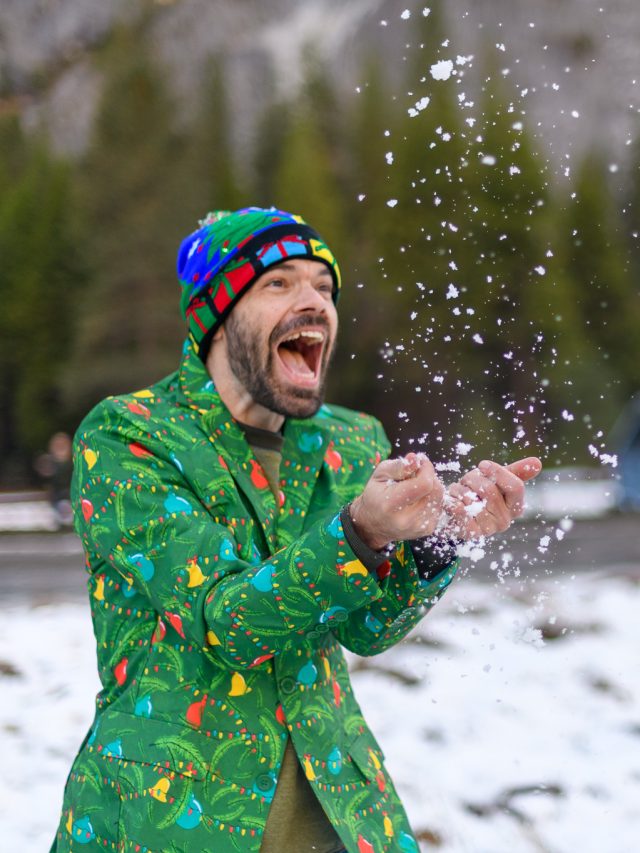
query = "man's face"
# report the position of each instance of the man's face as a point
(281, 335)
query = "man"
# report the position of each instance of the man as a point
(238, 532)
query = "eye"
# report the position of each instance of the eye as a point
(274, 282)
(325, 287)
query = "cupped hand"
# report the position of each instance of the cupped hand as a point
(488, 498)
(403, 499)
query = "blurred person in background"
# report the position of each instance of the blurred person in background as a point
(238, 533)
(55, 467)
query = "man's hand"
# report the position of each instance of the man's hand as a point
(487, 499)
(402, 500)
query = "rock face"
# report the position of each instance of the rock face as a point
(573, 61)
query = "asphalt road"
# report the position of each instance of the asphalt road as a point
(40, 568)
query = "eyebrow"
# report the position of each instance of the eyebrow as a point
(288, 266)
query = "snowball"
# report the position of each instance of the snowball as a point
(462, 448)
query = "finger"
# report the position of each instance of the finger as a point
(401, 468)
(526, 469)
(424, 484)
(510, 485)
(461, 493)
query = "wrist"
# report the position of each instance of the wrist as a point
(370, 537)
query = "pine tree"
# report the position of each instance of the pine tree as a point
(41, 276)
(608, 296)
(135, 208)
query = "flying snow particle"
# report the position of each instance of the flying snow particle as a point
(362, 196)
(463, 449)
(575, 114)
(544, 544)
(604, 458)
(488, 160)
(540, 270)
(477, 338)
(442, 70)
(452, 292)
(438, 379)
(392, 202)
(613, 168)
(420, 105)
(514, 170)
(462, 60)
(567, 415)
(532, 636)
(406, 15)
(389, 157)
(426, 12)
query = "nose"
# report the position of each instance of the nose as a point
(309, 298)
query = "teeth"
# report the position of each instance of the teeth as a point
(314, 336)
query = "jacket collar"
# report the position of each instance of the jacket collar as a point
(305, 443)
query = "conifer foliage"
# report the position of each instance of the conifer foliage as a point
(480, 302)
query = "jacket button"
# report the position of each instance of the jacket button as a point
(264, 782)
(287, 684)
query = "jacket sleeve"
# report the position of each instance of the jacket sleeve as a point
(406, 596)
(135, 510)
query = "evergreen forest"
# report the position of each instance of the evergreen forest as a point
(489, 298)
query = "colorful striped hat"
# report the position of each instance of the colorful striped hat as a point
(222, 259)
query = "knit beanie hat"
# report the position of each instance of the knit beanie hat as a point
(222, 259)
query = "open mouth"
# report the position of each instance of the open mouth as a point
(300, 354)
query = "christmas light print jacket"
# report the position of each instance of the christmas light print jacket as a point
(219, 618)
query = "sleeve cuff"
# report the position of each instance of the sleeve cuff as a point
(370, 559)
(432, 555)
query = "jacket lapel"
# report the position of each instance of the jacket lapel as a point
(305, 443)
(230, 442)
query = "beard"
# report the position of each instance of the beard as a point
(255, 370)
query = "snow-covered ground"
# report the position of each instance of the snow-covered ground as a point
(510, 718)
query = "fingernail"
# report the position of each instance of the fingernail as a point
(485, 466)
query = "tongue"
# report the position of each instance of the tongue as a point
(295, 361)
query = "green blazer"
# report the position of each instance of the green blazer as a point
(219, 615)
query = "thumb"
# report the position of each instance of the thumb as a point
(526, 469)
